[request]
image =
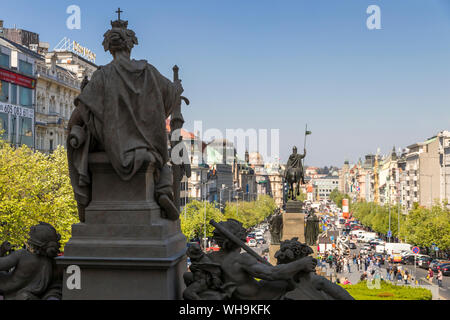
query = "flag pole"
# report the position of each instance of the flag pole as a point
(304, 145)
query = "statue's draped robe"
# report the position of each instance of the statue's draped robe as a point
(295, 161)
(124, 107)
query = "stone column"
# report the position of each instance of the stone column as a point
(125, 250)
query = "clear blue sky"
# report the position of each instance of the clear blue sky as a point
(281, 64)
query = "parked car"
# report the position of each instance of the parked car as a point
(435, 263)
(424, 262)
(445, 267)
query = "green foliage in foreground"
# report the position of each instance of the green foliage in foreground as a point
(34, 187)
(388, 291)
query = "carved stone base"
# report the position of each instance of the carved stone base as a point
(125, 250)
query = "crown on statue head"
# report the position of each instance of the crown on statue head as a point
(119, 24)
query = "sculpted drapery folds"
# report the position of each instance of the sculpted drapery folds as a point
(122, 111)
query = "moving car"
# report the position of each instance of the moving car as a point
(379, 256)
(260, 239)
(392, 247)
(352, 245)
(252, 243)
(395, 258)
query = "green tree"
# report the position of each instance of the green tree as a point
(250, 213)
(193, 220)
(337, 198)
(34, 187)
(421, 226)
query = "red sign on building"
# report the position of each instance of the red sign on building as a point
(18, 79)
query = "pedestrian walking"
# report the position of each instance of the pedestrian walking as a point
(399, 276)
(439, 277)
(405, 276)
(388, 272)
(394, 271)
(430, 274)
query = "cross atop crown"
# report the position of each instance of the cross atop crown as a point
(119, 23)
(118, 13)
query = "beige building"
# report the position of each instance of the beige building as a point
(444, 161)
(423, 173)
(59, 77)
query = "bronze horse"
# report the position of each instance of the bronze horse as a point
(294, 176)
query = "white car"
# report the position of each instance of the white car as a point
(252, 243)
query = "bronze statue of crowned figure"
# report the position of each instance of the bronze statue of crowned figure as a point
(122, 111)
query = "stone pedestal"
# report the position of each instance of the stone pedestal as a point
(125, 250)
(294, 221)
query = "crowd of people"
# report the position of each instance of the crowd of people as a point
(368, 264)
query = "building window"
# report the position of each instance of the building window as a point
(25, 96)
(13, 93)
(52, 106)
(4, 91)
(26, 133)
(4, 60)
(4, 125)
(25, 67)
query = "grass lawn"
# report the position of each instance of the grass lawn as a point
(388, 291)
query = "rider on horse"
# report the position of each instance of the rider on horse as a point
(294, 171)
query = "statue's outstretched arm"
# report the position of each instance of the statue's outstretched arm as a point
(279, 272)
(10, 261)
(304, 154)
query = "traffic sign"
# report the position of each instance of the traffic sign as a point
(389, 234)
(416, 250)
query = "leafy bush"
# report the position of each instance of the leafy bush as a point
(387, 291)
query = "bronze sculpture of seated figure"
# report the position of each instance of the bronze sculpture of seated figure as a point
(30, 274)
